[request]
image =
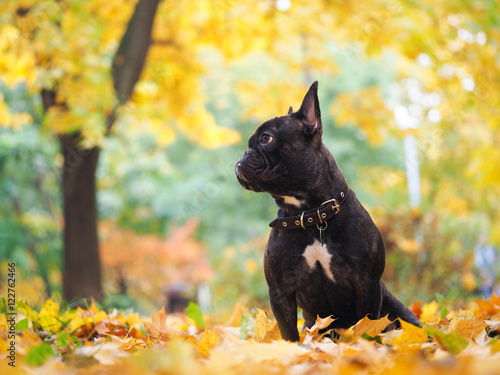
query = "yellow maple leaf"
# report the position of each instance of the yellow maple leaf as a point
(265, 329)
(93, 309)
(260, 326)
(208, 341)
(430, 313)
(273, 332)
(48, 318)
(410, 335)
(28, 312)
(76, 322)
(133, 319)
(97, 317)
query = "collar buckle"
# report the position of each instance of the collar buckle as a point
(335, 205)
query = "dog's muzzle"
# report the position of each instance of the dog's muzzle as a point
(245, 170)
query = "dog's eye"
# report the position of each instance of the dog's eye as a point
(266, 138)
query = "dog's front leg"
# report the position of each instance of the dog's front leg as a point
(284, 308)
(369, 301)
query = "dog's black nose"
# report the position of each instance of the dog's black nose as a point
(237, 168)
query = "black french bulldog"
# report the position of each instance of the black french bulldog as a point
(324, 253)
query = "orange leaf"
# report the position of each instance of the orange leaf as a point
(371, 327)
(415, 308)
(468, 328)
(321, 323)
(158, 326)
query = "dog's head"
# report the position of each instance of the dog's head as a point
(282, 155)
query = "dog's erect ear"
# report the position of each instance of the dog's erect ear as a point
(290, 111)
(309, 112)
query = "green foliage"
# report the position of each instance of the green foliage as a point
(29, 195)
(194, 313)
(22, 325)
(454, 342)
(121, 301)
(375, 338)
(39, 354)
(442, 307)
(64, 340)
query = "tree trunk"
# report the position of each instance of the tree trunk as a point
(81, 263)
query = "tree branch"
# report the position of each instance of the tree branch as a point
(131, 55)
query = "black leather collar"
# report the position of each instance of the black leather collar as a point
(327, 210)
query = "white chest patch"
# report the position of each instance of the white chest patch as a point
(318, 253)
(292, 200)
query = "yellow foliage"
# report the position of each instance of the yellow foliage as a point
(366, 109)
(262, 101)
(465, 344)
(251, 265)
(12, 119)
(408, 245)
(430, 313)
(208, 341)
(468, 281)
(409, 336)
(30, 289)
(200, 126)
(48, 316)
(70, 47)
(458, 205)
(265, 330)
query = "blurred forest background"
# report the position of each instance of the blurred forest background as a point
(151, 103)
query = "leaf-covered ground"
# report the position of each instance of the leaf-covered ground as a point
(93, 341)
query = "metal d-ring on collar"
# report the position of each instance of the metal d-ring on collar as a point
(323, 227)
(302, 220)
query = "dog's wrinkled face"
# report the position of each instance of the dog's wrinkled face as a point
(283, 150)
